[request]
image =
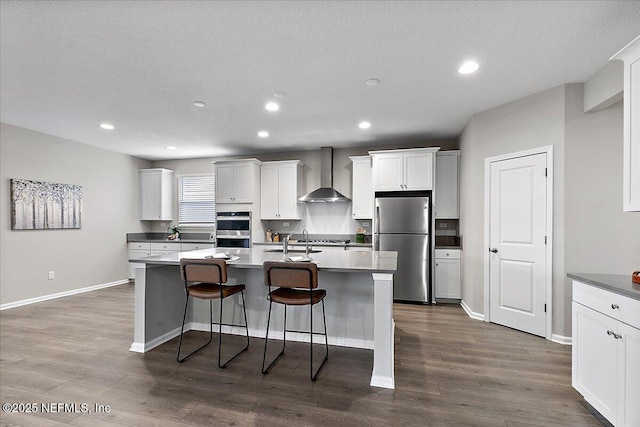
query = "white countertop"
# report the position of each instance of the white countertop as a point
(330, 260)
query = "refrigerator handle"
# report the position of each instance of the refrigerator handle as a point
(377, 233)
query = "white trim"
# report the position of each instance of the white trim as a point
(61, 294)
(138, 347)
(144, 347)
(278, 335)
(548, 150)
(472, 314)
(561, 339)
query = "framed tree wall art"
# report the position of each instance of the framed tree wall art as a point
(39, 205)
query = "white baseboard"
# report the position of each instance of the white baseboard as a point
(561, 339)
(291, 336)
(472, 314)
(61, 294)
(144, 347)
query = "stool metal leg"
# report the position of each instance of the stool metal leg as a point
(266, 340)
(246, 325)
(184, 318)
(326, 343)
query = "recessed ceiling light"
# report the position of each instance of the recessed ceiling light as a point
(199, 104)
(171, 147)
(263, 134)
(364, 125)
(468, 67)
(272, 106)
(106, 126)
(373, 82)
(279, 94)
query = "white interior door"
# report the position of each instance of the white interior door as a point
(517, 227)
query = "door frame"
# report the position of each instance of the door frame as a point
(548, 150)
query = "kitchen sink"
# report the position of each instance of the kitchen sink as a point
(294, 251)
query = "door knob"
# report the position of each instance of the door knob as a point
(493, 250)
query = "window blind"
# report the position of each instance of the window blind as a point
(196, 200)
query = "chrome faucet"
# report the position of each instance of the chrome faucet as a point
(285, 244)
(305, 233)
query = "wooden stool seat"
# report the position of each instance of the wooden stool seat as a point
(213, 290)
(297, 296)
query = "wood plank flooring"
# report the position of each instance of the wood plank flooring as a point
(450, 371)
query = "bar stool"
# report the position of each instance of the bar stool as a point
(297, 284)
(207, 277)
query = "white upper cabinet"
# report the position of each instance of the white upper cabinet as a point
(447, 199)
(403, 170)
(237, 181)
(280, 189)
(157, 194)
(631, 153)
(362, 192)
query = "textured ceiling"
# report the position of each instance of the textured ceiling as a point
(68, 66)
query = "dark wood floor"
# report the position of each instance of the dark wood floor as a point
(450, 370)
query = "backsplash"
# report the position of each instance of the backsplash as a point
(321, 218)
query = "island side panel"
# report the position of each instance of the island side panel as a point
(159, 306)
(383, 359)
(139, 311)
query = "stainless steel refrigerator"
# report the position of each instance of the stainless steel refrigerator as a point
(402, 225)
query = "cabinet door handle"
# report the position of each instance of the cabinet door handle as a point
(493, 250)
(614, 306)
(616, 336)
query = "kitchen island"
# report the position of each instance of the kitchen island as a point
(359, 302)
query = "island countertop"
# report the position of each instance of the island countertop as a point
(337, 261)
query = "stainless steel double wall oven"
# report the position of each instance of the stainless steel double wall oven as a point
(233, 229)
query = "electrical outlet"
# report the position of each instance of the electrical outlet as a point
(52, 275)
(163, 224)
(285, 224)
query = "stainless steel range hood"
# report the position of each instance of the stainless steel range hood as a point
(326, 192)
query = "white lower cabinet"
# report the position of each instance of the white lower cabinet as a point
(185, 247)
(447, 263)
(606, 353)
(165, 248)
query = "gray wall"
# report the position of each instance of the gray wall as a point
(599, 236)
(531, 122)
(92, 255)
(591, 233)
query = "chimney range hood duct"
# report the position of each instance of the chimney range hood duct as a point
(326, 192)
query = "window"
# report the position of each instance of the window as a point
(196, 200)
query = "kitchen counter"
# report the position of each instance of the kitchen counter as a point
(321, 244)
(162, 237)
(448, 247)
(373, 262)
(616, 283)
(359, 301)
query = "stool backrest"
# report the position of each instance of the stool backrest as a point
(203, 270)
(290, 274)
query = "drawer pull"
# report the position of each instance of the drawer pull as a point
(614, 306)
